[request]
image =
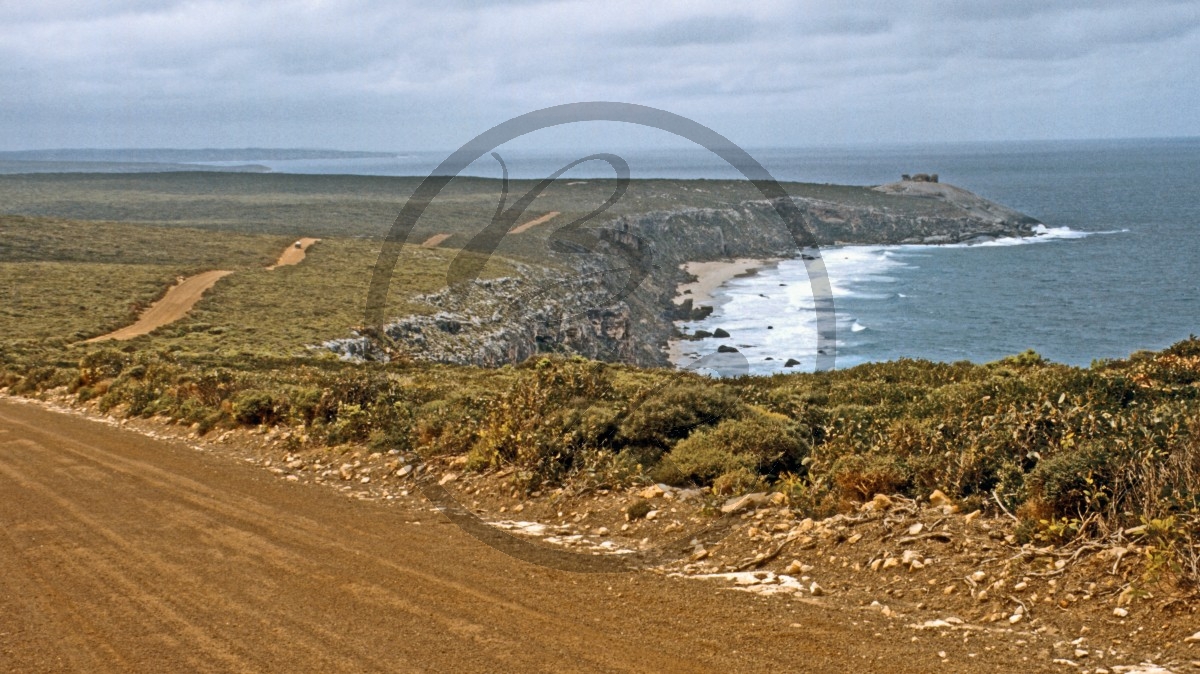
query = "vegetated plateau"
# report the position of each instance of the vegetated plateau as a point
(1072, 452)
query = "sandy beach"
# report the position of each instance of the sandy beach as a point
(709, 276)
(712, 275)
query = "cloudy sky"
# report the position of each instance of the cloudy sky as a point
(382, 74)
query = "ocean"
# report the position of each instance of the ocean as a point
(1116, 270)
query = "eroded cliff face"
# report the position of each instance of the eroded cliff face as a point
(498, 321)
(584, 304)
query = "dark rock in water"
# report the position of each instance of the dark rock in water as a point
(701, 334)
(685, 311)
(770, 327)
(726, 349)
(791, 362)
(768, 358)
(720, 333)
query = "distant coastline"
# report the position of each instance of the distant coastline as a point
(161, 160)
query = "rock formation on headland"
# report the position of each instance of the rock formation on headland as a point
(592, 312)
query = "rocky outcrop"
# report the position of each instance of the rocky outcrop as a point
(493, 322)
(615, 303)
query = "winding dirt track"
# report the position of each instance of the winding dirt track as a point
(534, 223)
(179, 300)
(123, 553)
(434, 240)
(293, 254)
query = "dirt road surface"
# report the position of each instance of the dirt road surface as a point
(294, 254)
(534, 222)
(123, 553)
(173, 306)
(434, 240)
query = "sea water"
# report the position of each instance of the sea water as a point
(1116, 268)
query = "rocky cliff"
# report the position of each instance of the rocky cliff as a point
(608, 291)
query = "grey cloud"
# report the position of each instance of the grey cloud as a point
(701, 30)
(421, 73)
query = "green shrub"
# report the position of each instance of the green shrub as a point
(858, 477)
(1074, 483)
(255, 407)
(738, 481)
(101, 364)
(661, 417)
(758, 442)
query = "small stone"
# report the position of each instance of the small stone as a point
(653, 514)
(1193, 639)
(816, 590)
(882, 502)
(779, 498)
(602, 531)
(916, 529)
(978, 576)
(950, 589)
(740, 503)
(1080, 653)
(1020, 586)
(365, 480)
(942, 654)
(938, 498)
(794, 568)
(447, 478)
(971, 516)
(1016, 618)
(653, 491)
(404, 470)
(854, 539)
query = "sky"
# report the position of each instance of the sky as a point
(392, 75)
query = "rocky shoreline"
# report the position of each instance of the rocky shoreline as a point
(613, 296)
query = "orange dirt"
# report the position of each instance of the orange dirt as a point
(173, 306)
(534, 223)
(120, 552)
(294, 253)
(434, 240)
